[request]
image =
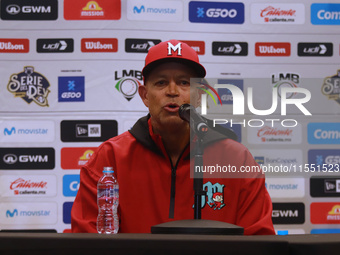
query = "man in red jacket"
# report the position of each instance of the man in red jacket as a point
(152, 160)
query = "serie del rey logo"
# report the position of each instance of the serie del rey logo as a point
(331, 88)
(30, 86)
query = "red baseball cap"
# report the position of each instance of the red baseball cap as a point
(175, 51)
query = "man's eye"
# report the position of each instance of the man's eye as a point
(160, 83)
(185, 83)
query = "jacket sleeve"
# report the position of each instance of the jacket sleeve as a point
(85, 210)
(255, 205)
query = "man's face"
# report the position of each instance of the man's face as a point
(166, 89)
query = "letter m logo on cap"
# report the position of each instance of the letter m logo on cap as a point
(172, 49)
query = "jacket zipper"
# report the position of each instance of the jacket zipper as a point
(172, 192)
(173, 185)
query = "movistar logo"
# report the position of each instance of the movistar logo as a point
(9, 132)
(138, 10)
(11, 214)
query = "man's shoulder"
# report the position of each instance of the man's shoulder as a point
(122, 138)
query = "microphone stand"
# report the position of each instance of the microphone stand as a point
(198, 226)
(198, 176)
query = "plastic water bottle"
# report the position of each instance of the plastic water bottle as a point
(107, 200)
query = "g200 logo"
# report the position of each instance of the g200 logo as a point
(216, 12)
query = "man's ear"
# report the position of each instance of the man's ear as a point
(143, 93)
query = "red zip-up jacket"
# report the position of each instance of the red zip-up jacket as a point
(153, 191)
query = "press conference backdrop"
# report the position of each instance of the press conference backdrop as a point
(69, 77)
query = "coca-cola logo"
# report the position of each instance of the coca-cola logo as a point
(21, 183)
(272, 11)
(271, 131)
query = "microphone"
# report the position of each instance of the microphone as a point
(188, 113)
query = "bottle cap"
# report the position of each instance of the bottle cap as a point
(108, 169)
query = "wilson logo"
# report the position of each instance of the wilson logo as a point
(99, 45)
(198, 46)
(14, 45)
(272, 49)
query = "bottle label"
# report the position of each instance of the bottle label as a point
(105, 193)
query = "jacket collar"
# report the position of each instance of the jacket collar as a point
(141, 132)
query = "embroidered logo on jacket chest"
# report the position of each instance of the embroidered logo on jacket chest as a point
(214, 196)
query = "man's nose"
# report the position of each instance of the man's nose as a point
(172, 88)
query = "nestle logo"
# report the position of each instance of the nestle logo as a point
(272, 49)
(14, 45)
(99, 45)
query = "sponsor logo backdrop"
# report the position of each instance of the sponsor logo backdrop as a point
(71, 70)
